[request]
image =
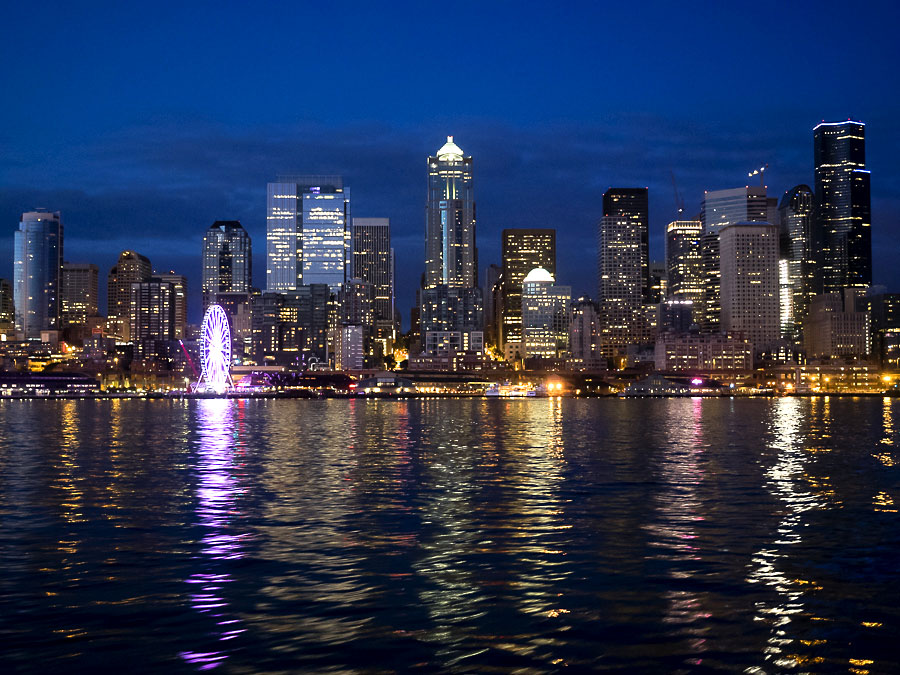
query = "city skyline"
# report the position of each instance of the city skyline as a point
(139, 167)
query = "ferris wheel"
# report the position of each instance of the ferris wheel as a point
(215, 375)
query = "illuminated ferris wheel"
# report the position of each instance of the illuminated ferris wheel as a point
(215, 375)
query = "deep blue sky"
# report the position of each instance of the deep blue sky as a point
(143, 124)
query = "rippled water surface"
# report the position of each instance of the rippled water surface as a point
(679, 535)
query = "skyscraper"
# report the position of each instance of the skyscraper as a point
(37, 266)
(80, 286)
(307, 232)
(800, 246)
(227, 260)
(523, 251)
(683, 260)
(7, 310)
(451, 258)
(749, 286)
(151, 313)
(621, 267)
(545, 315)
(372, 263)
(721, 208)
(131, 268)
(843, 205)
(450, 297)
(179, 298)
(632, 205)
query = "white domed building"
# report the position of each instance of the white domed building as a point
(545, 315)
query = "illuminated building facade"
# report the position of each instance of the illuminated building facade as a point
(451, 258)
(227, 260)
(179, 291)
(523, 251)
(152, 313)
(36, 269)
(702, 352)
(631, 206)
(683, 260)
(307, 232)
(545, 316)
(7, 310)
(884, 312)
(721, 208)
(621, 282)
(373, 264)
(798, 270)
(843, 205)
(748, 254)
(131, 268)
(80, 286)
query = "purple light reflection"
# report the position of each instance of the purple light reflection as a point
(217, 492)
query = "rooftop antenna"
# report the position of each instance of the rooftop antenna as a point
(679, 200)
(760, 171)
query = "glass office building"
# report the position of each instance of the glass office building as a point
(37, 270)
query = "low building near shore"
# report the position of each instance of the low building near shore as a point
(14, 384)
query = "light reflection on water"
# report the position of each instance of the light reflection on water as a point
(472, 535)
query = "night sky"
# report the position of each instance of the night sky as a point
(144, 124)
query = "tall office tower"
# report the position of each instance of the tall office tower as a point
(151, 313)
(620, 271)
(800, 245)
(721, 208)
(523, 251)
(884, 311)
(227, 260)
(748, 255)
(372, 263)
(7, 310)
(683, 260)
(843, 205)
(710, 310)
(490, 292)
(631, 205)
(584, 336)
(131, 268)
(307, 232)
(451, 258)
(545, 315)
(179, 296)
(37, 265)
(80, 286)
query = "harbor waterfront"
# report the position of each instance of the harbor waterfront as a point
(468, 535)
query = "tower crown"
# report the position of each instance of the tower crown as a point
(450, 151)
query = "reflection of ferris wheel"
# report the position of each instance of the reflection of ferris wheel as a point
(215, 352)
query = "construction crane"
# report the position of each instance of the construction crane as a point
(679, 200)
(760, 171)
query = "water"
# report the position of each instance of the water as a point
(679, 535)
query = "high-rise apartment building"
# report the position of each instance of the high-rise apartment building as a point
(584, 337)
(37, 266)
(721, 208)
(151, 313)
(545, 316)
(838, 325)
(227, 260)
(749, 284)
(179, 297)
(131, 268)
(451, 258)
(307, 232)
(631, 205)
(843, 205)
(523, 251)
(373, 263)
(800, 246)
(491, 294)
(80, 287)
(620, 288)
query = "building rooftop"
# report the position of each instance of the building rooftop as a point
(450, 150)
(538, 274)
